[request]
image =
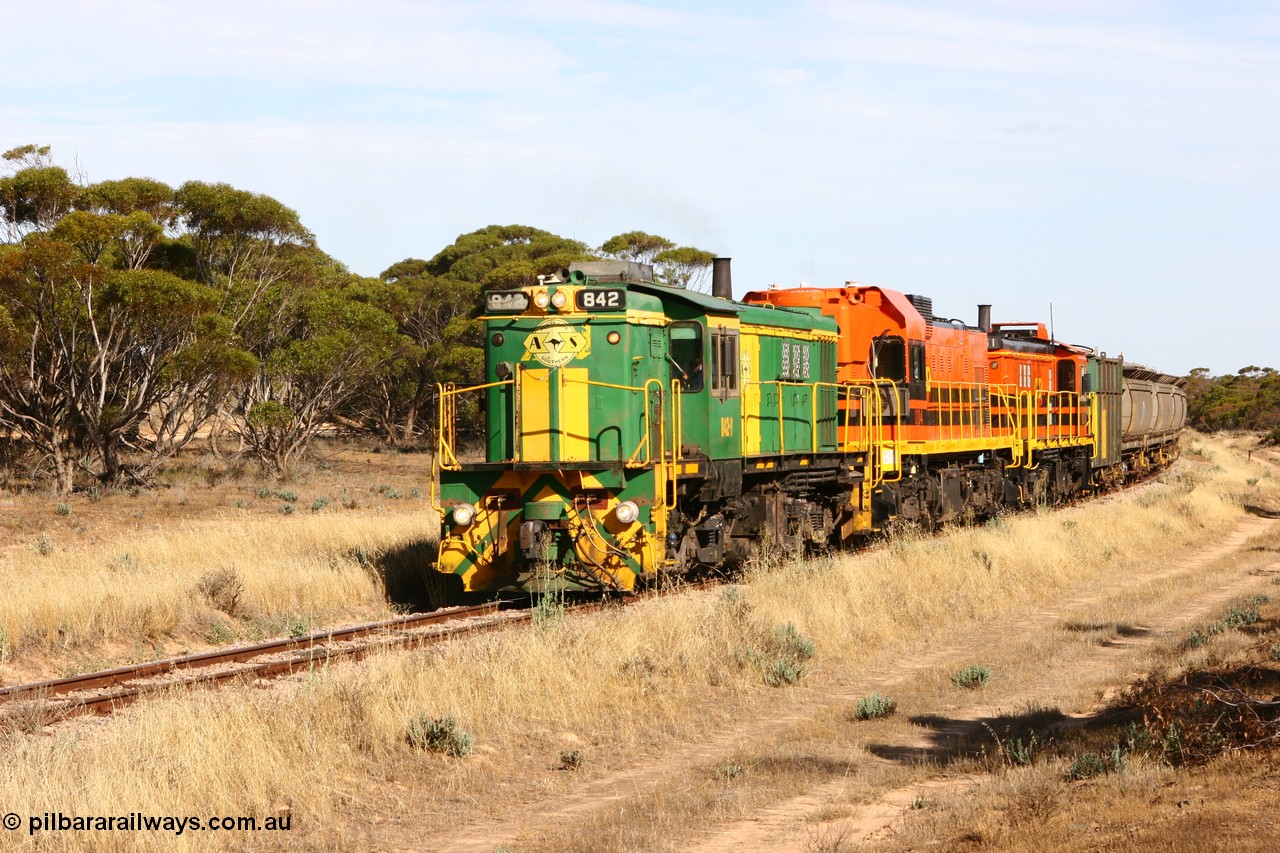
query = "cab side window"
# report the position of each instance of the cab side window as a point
(917, 379)
(724, 362)
(686, 355)
(1066, 375)
(889, 359)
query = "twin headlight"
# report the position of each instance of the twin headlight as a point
(626, 512)
(557, 300)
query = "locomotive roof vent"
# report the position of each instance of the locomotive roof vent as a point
(923, 304)
(613, 270)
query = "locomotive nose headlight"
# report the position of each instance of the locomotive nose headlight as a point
(613, 337)
(463, 514)
(627, 512)
(558, 299)
(541, 299)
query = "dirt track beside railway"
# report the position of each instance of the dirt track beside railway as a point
(1072, 671)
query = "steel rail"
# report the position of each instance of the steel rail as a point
(308, 646)
(309, 652)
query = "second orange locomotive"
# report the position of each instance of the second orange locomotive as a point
(972, 417)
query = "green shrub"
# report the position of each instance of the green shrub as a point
(571, 759)
(875, 705)
(219, 635)
(784, 671)
(972, 676)
(1240, 617)
(1022, 752)
(786, 650)
(726, 772)
(439, 734)
(548, 612)
(1087, 765)
(792, 644)
(62, 509)
(297, 626)
(319, 504)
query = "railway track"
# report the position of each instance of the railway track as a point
(105, 691)
(108, 690)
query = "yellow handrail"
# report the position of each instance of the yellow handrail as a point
(447, 436)
(632, 460)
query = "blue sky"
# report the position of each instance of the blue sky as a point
(1120, 160)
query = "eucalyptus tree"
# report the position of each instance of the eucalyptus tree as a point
(90, 354)
(675, 265)
(637, 246)
(243, 244)
(435, 304)
(685, 267)
(336, 343)
(131, 312)
(36, 194)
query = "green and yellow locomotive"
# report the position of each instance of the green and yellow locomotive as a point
(632, 429)
(635, 430)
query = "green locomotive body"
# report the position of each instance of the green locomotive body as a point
(620, 413)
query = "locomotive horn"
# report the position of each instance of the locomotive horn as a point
(984, 318)
(721, 278)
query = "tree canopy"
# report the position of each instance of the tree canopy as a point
(1248, 399)
(135, 316)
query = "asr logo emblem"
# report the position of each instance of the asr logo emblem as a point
(555, 343)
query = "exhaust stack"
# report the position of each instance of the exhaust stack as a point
(984, 318)
(721, 278)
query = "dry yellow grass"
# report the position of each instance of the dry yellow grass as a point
(332, 749)
(143, 587)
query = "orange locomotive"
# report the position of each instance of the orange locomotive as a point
(969, 418)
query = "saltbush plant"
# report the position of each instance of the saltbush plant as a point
(439, 734)
(972, 676)
(875, 705)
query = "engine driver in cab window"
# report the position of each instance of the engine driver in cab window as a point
(686, 355)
